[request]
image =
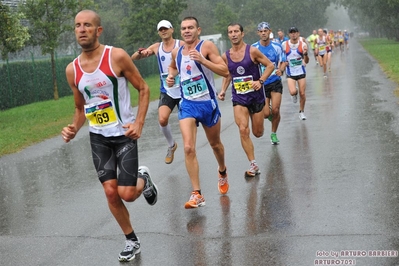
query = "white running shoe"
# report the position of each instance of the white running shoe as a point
(302, 116)
(131, 249)
(253, 170)
(294, 98)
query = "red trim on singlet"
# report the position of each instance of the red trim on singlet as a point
(78, 71)
(288, 48)
(105, 66)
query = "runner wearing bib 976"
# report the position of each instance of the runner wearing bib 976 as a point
(273, 86)
(169, 96)
(248, 96)
(196, 62)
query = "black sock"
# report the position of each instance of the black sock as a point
(199, 191)
(131, 236)
(223, 173)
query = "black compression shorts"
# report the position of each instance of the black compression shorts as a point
(112, 153)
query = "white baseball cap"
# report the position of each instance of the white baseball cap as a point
(164, 24)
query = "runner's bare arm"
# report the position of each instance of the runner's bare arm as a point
(172, 70)
(145, 52)
(259, 57)
(282, 66)
(305, 51)
(123, 66)
(69, 132)
(210, 59)
(225, 85)
(225, 82)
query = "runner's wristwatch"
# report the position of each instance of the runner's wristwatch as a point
(261, 81)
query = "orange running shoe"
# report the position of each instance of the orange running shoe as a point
(223, 184)
(196, 200)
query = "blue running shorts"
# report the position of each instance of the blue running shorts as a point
(205, 112)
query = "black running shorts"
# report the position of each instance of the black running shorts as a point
(165, 99)
(276, 86)
(111, 154)
(253, 108)
(297, 77)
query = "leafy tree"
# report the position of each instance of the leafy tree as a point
(139, 28)
(305, 14)
(205, 12)
(215, 15)
(225, 15)
(48, 20)
(13, 34)
(111, 12)
(379, 17)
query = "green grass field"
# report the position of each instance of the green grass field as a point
(386, 52)
(23, 126)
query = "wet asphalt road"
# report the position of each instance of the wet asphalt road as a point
(330, 186)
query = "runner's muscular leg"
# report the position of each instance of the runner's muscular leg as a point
(131, 193)
(116, 205)
(325, 57)
(302, 95)
(276, 103)
(241, 117)
(213, 136)
(266, 109)
(321, 61)
(291, 86)
(258, 124)
(163, 115)
(188, 130)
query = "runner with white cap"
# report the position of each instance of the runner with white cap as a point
(169, 96)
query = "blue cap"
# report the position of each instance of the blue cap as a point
(263, 25)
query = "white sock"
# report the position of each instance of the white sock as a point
(168, 134)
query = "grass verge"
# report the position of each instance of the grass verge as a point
(23, 126)
(386, 52)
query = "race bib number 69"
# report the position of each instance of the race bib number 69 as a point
(101, 114)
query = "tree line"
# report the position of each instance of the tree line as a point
(378, 17)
